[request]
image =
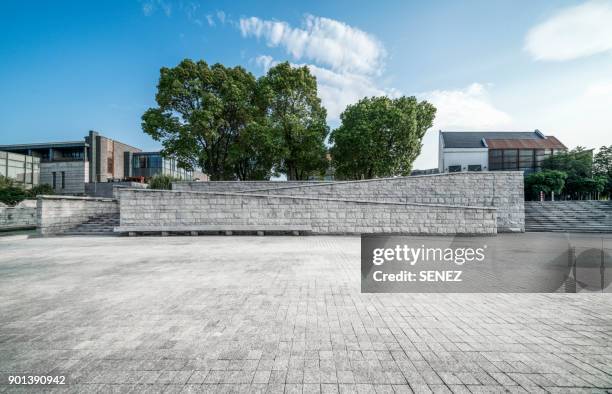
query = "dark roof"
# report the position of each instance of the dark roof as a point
(44, 145)
(476, 139)
(549, 142)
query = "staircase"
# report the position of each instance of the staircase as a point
(98, 225)
(569, 216)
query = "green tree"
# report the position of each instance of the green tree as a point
(11, 193)
(380, 137)
(296, 119)
(547, 181)
(161, 182)
(602, 167)
(202, 113)
(578, 165)
(39, 190)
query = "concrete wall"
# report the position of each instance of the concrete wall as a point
(236, 186)
(22, 215)
(56, 214)
(156, 210)
(500, 189)
(107, 189)
(76, 172)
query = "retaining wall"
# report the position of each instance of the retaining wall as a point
(21, 216)
(500, 189)
(156, 210)
(57, 214)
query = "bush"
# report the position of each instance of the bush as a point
(162, 182)
(40, 190)
(11, 195)
(547, 181)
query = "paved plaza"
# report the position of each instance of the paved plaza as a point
(276, 314)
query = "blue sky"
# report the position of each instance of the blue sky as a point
(67, 67)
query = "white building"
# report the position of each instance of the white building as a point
(495, 150)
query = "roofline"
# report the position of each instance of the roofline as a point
(44, 145)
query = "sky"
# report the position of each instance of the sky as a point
(67, 67)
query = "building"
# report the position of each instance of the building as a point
(69, 166)
(495, 150)
(23, 169)
(148, 164)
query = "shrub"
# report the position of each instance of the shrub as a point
(39, 190)
(11, 195)
(161, 182)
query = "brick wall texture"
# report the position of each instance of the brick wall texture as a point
(56, 214)
(156, 210)
(502, 190)
(22, 215)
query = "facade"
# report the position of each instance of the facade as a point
(68, 166)
(495, 150)
(148, 164)
(23, 169)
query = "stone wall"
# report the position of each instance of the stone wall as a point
(238, 186)
(107, 189)
(21, 216)
(76, 173)
(156, 210)
(500, 189)
(56, 214)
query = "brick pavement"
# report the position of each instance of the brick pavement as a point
(276, 314)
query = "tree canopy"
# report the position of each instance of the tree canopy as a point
(296, 118)
(602, 167)
(233, 126)
(547, 181)
(380, 137)
(578, 165)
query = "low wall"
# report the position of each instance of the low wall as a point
(500, 189)
(21, 216)
(107, 189)
(157, 210)
(57, 214)
(236, 186)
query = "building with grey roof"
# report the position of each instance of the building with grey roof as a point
(495, 150)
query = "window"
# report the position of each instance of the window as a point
(526, 159)
(63, 180)
(54, 179)
(454, 168)
(110, 165)
(495, 159)
(474, 167)
(510, 159)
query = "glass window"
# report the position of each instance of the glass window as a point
(63, 180)
(526, 159)
(54, 179)
(454, 168)
(474, 167)
(510, 159)
(495, 159)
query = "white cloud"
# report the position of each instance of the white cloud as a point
(466, 109)
(324, 41)
(573, 32)
(265, 62)
(337, 90)
(221, 16)
(210, 20)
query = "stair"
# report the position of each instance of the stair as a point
(99, 225)
(586, 216)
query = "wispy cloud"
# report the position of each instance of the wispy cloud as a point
(149, 7)
(572, 33)
(325, 41)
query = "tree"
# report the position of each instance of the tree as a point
(161, 182)
(202, 114)
(547, 181)
(578, 165)
(297, 120)
(602, 167)
(380, 137)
